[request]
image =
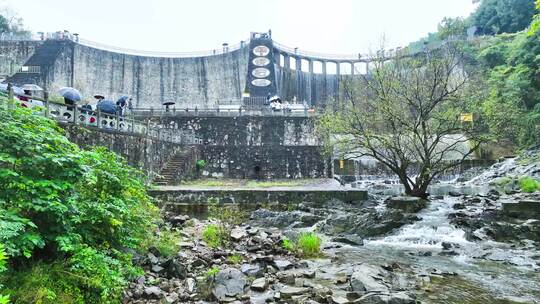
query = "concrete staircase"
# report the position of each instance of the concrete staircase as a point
(180, 166)
(44, 57)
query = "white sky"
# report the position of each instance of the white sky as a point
(331, 26)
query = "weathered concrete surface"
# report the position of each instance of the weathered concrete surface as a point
(256, 146)
(170, 195)
(14, 54)
(145, 153)
(150, 80)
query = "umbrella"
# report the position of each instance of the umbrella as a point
(31, 87)
(70, 93)
(98, 96)
(275, 98)
(16, 90)
(123, 98)
(107, 106)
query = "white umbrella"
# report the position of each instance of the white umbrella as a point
(16, 90)
(31, 87)
(275, 98)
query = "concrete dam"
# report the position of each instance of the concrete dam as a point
(255, 68)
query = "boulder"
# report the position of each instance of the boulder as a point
(238, 233)
(390, 298)
(406, 203)
(288, 292)
(174, 269)
(525, 209)
(259, 284)
(252, 270)
(153, 292)
(228, 283)
(283, 264)
(366, 278)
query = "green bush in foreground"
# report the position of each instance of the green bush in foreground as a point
(529, 184)
(214, 235)
(308, 245)
(60, 205)
(4, 299)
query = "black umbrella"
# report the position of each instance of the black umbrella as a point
(70, 93)
(107, 106)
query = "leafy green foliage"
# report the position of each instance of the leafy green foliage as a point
(309, 245)
(200, 164)
(4, 299)
(288, 245)
(503, 16)
(166, 241)
(529, 184)
(62, 204)
(235, 259)
(212, 272)
(215, 236)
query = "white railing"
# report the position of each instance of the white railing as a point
(71, 114)
(219, 51)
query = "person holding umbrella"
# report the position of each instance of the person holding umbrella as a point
(71, 97)
(121, 104)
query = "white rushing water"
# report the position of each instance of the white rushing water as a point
(428, 233)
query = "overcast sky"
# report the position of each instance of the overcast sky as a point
(331, 26)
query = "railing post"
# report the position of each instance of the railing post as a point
(75, 114)
(98, 118)
(147, 126)
(46, 98)
(10, 96)
(117, 121)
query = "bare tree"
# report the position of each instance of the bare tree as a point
(405, 113)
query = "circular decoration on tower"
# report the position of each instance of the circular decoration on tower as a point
(261, 61)
(260, 72)
(261, 82)
(261, 50)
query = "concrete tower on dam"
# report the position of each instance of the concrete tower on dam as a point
(256, 67)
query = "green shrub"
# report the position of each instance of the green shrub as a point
(4, 299)
(200, 164)
(309, 245)
(166, 241)
(215, 236)
(288, 245)
(235, 259)
(212, 272)
(529, 184)
(59, 203)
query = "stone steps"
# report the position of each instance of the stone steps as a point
(167, 174)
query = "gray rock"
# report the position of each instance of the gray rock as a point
(288, 291)
(283, 264)
(259, 284)
(368, 278)
(297, 219)
(340, 300)
(153, 292)
(406, 203)
(190, 284)
(228, 282)
(174, 269)
(525, 209)
(238, 233)
(157, 268)
(252, 270)
(393, 298)
(171, 298)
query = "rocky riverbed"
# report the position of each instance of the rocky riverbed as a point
(463, 246)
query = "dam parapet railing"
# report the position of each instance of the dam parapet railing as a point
(217, 112)
(41, 36)
(76, 115)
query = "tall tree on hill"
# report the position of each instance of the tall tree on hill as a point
(503, 16)
(406, 114)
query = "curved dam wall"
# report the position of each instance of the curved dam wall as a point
(316, 89)
(201, 81)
